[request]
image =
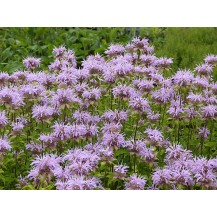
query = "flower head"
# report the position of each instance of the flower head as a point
(120, 172)
(135, 183)
(115, 49)
(4, 145)
(3, 119)
(204, 132)
(31, 62)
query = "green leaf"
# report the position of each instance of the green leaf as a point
(210, 144)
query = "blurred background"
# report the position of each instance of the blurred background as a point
(187, 46)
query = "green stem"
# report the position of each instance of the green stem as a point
(164, 110)
(119, 102)
(42, 128)
(111, 99)
(105, 178)
(137, 122)
(134, 163)
(210, 137)
(201, 146)
(178, 131)
(189, 133)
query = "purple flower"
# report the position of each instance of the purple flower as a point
(49, 140)
(3, 119)
(176, 152)
(60, 131)
(42, 113)
(144, 85)
(176, 107)
(162, 177)
(115, 49)
(56, 65)
(139, 43)
(156, 77)
(106, 154)
(204, 69)
(22, 182)
(59, 51)
(209, 111)
(82, 117)
(203, 172)
(92, 95)
(115, 116)
(22, 76)
(204, 132)
(163, 95)
(94, 64)
(120, 172)
(4, 145)
(211, 59)
(195, 98)
(135, 147)
(64, 97)
(79, 183)
(31, 62)
(154, 136)
(30, 91)
(183, 177)
(4, 77)
(92, 183)
(70, 58)
(109, 76)
(148, 71)
(175, 111)
(80, 88)
(76, 131)
(153, 117)
(111, 128)
(35, 148)
(44, 166)
(11, 97)
(123, 91)
(122, 69)
(183, 77)
(135, 183)
(82, 74)
(148, 59)
(17, 128)
(201, 82)
(80, 168)
(191, 112)
(140, 104)
(45, 79)
(81, 162)
(163, 62)
(113, 140)
(147, 155)
(91, 130)
(66, 78)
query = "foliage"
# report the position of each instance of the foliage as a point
(188, 46)
(16, 43)
(121, 120)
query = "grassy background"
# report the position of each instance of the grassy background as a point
(187, 46)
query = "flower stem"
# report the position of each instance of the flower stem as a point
(210, 137)
(111, 99)
(134, 163)
(135, 133)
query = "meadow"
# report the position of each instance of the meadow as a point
(108, 108)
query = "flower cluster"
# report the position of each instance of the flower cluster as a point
(120, 120)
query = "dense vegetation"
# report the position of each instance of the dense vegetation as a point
(187, 46)
(121, 119)
(17, 43)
